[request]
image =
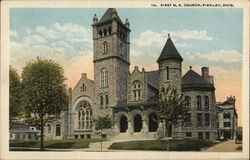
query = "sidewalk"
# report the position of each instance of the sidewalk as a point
(227, 146)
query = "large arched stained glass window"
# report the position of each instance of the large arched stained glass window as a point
(84, 116)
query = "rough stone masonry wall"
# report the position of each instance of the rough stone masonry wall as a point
(212, 128)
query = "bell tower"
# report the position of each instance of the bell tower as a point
(111, 58)
(170, 67)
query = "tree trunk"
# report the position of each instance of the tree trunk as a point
(101, 139)
(41, 140)
(167, 137)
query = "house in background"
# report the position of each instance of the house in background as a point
(23, 131)
(227, 119)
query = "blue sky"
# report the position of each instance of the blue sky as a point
(204, 37)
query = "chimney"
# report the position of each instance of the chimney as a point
(84, 75)
(205, 73)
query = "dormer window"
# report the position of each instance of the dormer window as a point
(105, 47)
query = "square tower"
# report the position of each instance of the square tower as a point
(111, 59)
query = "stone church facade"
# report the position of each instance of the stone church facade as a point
(129, 98)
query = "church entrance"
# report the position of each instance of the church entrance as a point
(153, 124)
(137, 123)
(123, 124)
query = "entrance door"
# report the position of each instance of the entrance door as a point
(123, 124)
(137, 123)
(153, 124)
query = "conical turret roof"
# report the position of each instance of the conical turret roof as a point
(169, 52)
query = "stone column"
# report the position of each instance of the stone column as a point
(130, 128)
(144, 126)
(117, 130)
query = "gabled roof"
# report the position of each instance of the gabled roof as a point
(153, 78)
(108, 15)
(169, 52)
(193, 80)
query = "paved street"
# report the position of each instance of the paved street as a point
(227, 146)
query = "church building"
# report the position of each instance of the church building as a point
(129, 98)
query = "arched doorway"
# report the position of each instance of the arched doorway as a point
(137, 123)
(123, 124)
(153, 124)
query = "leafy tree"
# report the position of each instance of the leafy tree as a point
(103, 122)
(44, 93)
(170, 108)
(15, 95)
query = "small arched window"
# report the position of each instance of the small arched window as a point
(198, 102)
(188, 101)
(101, 100)
(58, 130)
(107, 99)
(206, 102)
(104, 77)
(137, 90)
(105, 32)
(109, 30)
(105, 47)
(167, 72)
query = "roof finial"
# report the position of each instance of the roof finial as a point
(168, 35)
(190, 67)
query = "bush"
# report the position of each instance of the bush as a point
(65, 143)
(174, 145)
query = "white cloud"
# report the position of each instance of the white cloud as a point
(48, 33)
(158, 39)
(33, 39)
(228, 56)
(13, 33)
(151, 38)
(189, 34)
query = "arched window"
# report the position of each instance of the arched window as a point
(107, 99)
(104, 77)
(105, 47)
(84, 116)
(105, 32)
(198, 102)
(167, 72)
(206, 102)
(101, 100)
(58, 130)
(109, 30)
(188, 101)
(137, 90)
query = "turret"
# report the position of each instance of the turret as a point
(170, 67)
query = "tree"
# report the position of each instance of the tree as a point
(170, 108)
(15, 95)
(44, 93)
(101, 123)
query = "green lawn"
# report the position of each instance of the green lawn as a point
(174, 145)
(65, 143)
